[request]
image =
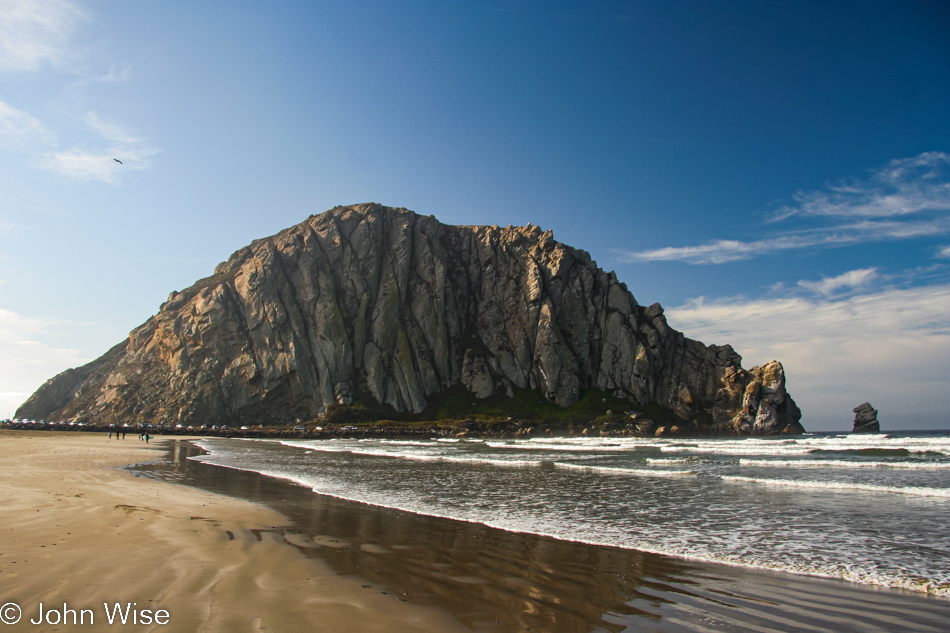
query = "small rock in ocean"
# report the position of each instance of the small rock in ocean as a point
(865, 419)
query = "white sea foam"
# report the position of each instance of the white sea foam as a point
(799, 444)
(842, 463)
(738, 449)
(482, 461)
(504, 463)
(431, 457)
(797, 449)
(402, 450)
(582, 441)
(918, 491)
(668, 461)
(556, 446)
(312, 446)
(637, 472)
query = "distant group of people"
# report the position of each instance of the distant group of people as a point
(120, 431)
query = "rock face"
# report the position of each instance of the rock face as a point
(379, 302)
(865, 419)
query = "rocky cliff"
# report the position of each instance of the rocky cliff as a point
(377, 302)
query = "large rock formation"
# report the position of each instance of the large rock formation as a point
(382, 302)
(865, 419)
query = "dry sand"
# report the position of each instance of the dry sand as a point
(79, 531)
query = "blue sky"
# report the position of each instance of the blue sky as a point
(776, 174)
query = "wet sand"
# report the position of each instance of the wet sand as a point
(80, 532)
(493, 580)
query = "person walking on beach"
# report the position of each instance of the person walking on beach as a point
(146, 437)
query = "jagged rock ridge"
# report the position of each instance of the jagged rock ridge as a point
(377, 300)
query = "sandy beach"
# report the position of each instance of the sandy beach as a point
(78, 531)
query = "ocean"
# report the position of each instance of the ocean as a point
(869, 509)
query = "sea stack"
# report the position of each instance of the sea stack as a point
(372, 304)
(865, 419)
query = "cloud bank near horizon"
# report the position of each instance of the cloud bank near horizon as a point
(27, 362)
(889, 347)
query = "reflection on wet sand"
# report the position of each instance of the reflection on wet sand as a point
(494, 580)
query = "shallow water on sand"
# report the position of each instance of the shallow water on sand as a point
(507, 580)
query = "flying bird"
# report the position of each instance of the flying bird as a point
(118, 161)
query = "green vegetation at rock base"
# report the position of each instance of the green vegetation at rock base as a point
(456, 408)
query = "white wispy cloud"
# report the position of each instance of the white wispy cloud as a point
(35, 32)
(944, 252)
(853, 279)
(109, 131)
(19, 130)
(890, 347)
(23, 133)
(903, 187)
(722, 251)
(134, 152)
(27, 362)
(99, 165)
(908, 198)
(116, 73)
(82, 165)
(718, 252)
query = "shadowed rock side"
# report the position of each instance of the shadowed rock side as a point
(865, 419)
(373, 300)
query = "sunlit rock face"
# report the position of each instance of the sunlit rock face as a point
(380, 302)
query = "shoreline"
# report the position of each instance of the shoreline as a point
(685, 558)
(857, 567)
(80, 531)
(551, 584)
